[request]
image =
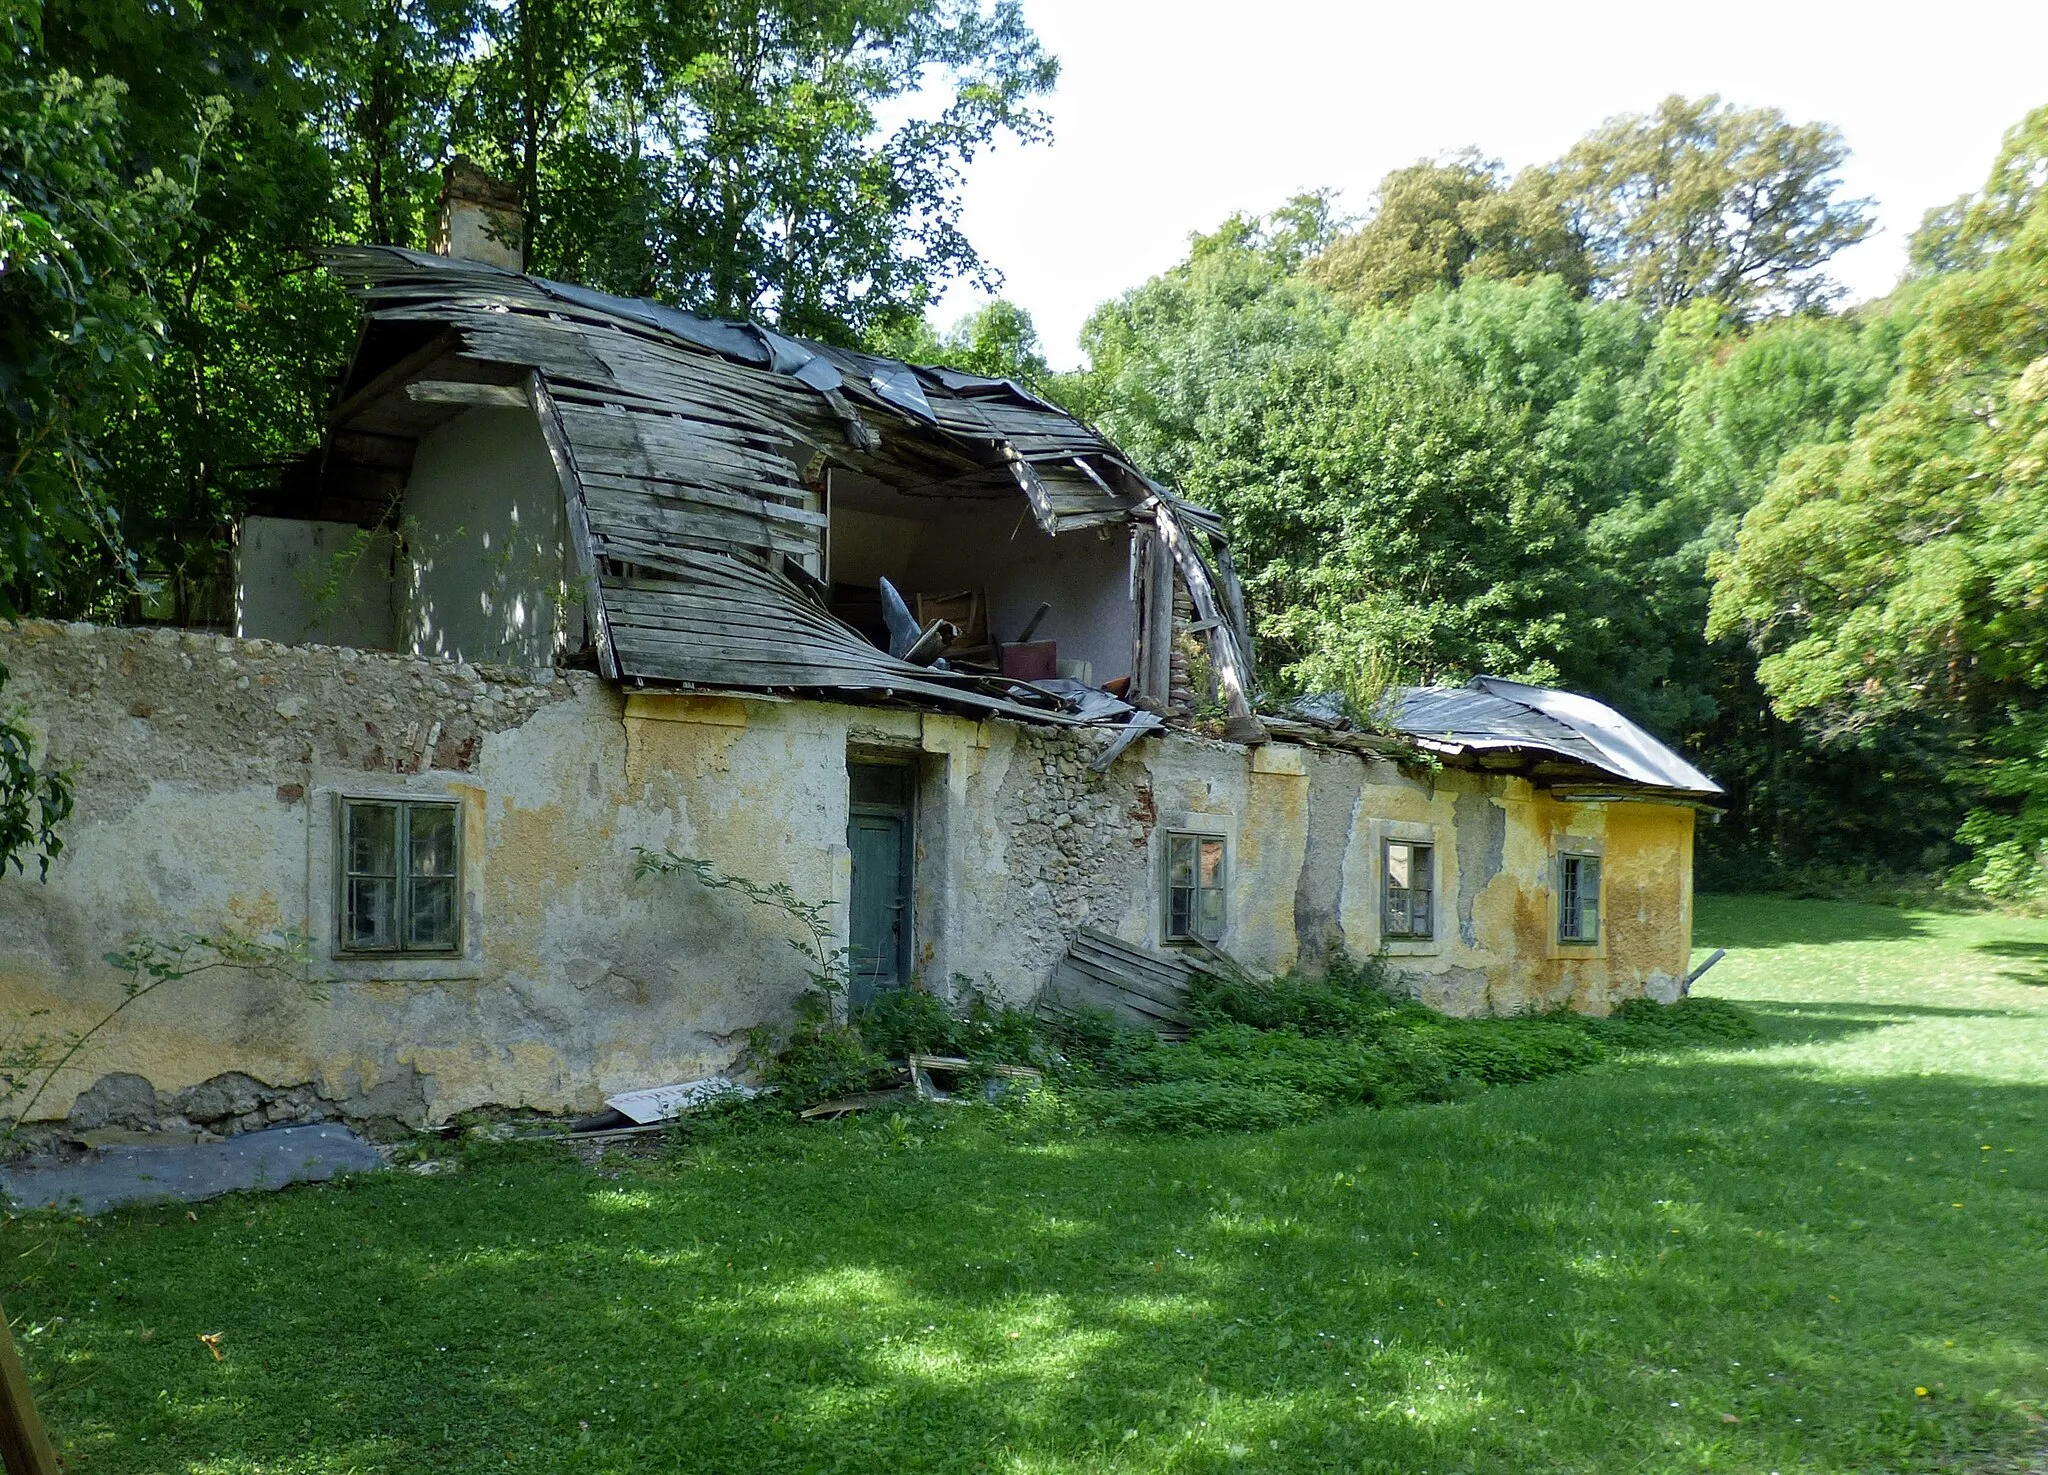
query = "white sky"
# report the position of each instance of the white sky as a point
(1172, 114)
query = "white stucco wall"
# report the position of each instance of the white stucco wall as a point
(1084, 576)
(208, 771)
(300, 581)
(485, 573)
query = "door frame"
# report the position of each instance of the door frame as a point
(906, 814)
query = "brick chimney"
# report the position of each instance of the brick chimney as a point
(480, 217)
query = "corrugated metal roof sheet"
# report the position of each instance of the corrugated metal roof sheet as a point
(1495, 714)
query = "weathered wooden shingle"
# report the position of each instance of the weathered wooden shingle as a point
(685, 445)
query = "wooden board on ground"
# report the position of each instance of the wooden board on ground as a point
(1135, 985)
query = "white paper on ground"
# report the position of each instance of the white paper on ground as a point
(661, 1103)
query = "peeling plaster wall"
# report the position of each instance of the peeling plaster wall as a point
(209, 769)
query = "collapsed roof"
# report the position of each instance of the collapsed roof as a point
(692, 452)
(1560, 740)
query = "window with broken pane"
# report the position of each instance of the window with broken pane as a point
(1578, 898)
(400, 876)
(1195, 909)
(1410, 870)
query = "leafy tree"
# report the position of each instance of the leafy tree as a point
(1704, 199)
(1892, 583)
(1436, 224)
(80, 330)
(34, 800)
(1737, 403)
(1183, 369)
(1966, 233)
(998, 340)
(735, 159)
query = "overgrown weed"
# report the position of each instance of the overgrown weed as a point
(1261, 1053)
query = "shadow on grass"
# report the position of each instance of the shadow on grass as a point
(1799, 1022)
(2021, 952)
(1406, 1290)
(1780, 921)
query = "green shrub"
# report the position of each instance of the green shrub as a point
(1348, 997)
(1645, 1024)
(1095, 1050)
(819, 1058)
(905, 1021)
(1191, 1106)
(999, 1034)
(1262, 1052)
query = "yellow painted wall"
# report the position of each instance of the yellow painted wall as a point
(208, 772)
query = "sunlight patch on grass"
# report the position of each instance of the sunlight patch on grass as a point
(623, 1200)
(1503, 1266)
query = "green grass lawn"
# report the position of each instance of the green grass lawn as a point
(1744, 1260)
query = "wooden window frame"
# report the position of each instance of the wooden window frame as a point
(1571, 905)
(1193, 933)
(1387, 889)
(403, 808)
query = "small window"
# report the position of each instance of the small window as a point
(1578, 898)
(400, 886)
(1194, 888)
(1411, 890)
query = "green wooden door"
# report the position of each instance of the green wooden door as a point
(878, 834)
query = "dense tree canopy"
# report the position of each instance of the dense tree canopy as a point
(1704, 199)
(171, 173)
(1435, 467)
(1439, 223)
(1894, 581)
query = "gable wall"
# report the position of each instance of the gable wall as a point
(208, 771)
(485, 570)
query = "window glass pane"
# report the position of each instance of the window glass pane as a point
(1180, 912)
(1579, 899)
(1212, 862)
(1397, 865)
(1420, 856)
(1418, 913)
(1180, 860)
(372, 845)
(431, 830)
(430, 917)
(372, 907)
(1397, 913)
(879, 783)
(1211, 921)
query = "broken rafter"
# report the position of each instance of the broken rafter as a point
(1034, 490)
(412, 365)
(578, 514)
(464, 392)
(1233, 671)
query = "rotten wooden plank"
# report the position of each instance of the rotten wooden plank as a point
(1233, 672)
(465, 392)
(1034, 493)
(579, 521)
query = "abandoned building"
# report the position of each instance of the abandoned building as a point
(573, 575)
